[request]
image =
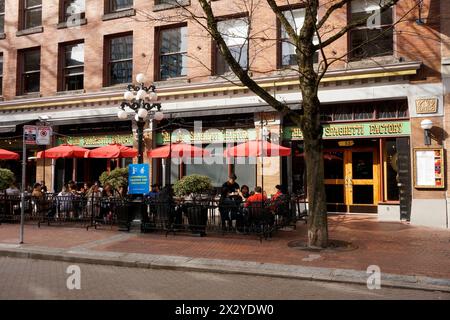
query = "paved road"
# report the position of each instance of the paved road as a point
(39, 279)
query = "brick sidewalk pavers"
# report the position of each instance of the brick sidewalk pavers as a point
(397, 248)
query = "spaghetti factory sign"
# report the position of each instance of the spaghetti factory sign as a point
(356, 130)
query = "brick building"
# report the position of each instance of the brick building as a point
(72, 60)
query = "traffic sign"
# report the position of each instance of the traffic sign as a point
(44, 135)
(29, 134)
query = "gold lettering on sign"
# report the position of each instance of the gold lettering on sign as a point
(385, 128)
(335, 131)
(426, 105)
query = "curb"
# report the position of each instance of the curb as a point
(179, 263)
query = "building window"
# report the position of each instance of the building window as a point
(392, 110)
(370, 42)
(72, 67)
(120, 59)
(30, 71)
(365, 111)
(32, 14)
(118, 5)
(172, 53)
(296, 18)
(72, 9)
(2, 16)
(235, 35)
(1, 74)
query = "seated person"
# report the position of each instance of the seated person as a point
(257, 197)
(278, 193)
(278, 202)
(154, 192)
(244, 192)
(254, 209)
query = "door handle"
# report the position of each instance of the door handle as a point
(348, 181)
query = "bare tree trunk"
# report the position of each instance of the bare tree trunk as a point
(317, 223)
(312, 131)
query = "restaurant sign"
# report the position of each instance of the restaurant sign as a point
(355, 130)
(206, 136)
(97, 140)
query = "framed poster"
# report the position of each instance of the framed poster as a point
(429, 168)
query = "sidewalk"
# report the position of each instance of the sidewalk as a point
(408, 256)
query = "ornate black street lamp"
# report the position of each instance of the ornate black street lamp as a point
(143, 101)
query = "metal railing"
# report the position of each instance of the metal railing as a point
(198, 217)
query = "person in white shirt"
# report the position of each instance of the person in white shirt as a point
(13, 190)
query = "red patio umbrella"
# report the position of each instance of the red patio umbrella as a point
(257, 148)
(178, 150)
(8, 155)
(112, 151)
(63, 151)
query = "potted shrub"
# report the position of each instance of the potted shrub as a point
(116, 178)
(195, 189)
(6, 178)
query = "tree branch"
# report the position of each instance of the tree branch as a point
(235, 66)
(287, 26)
(352, 25)
(330, 10)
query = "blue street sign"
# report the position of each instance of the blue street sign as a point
(138, 178)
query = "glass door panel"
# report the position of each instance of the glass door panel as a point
(362, 165)
(334, 165)
(363, 194)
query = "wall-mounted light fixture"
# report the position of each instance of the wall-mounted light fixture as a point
(426, 125)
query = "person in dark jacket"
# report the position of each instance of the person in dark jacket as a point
(231, 185)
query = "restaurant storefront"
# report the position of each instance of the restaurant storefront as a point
(89, 136)
(214, 135)
(361, 158)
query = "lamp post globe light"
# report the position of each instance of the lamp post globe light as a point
(137, 98)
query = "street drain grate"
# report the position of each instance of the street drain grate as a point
(333, 245)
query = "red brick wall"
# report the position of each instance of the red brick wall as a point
(413, 42)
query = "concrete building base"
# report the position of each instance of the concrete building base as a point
(388, 212)
(429, 213)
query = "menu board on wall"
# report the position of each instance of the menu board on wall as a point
(429, 168)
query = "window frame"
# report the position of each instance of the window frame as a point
(376, 110)
(2, 17)
(63, 5)
(110, 4)
(1, 73)
(22, 73)
(280, 41)
(107, 62)
(382, 27)
(215, 52)
(158, 55)
(23, 14)
(62, 68)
